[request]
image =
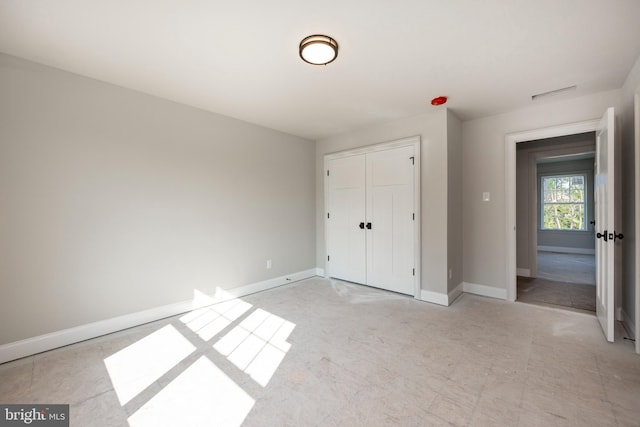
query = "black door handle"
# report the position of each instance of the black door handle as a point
(603, 236)
(618, 236)
(592, 222)
(368, 226)
(362, 226)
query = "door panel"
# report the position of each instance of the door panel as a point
(346, 244)
(390, 244)
(605, 223)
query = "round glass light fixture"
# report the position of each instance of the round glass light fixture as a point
(318, 49)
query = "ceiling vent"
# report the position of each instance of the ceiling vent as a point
(553, 92)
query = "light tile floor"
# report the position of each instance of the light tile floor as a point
(328, 353)
(570, 268)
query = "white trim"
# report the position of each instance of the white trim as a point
(636, 121)
(38, 344)
(540, 177)
(434, 297)
(441, 299)
(320, 272)
(523, 272)
(628, 323)
(382, 146)
(511, 140)
(484, 290)
(454, 294)
(566, 250)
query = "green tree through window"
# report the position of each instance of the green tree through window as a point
(563, 202)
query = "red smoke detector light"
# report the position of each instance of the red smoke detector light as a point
(439, 100)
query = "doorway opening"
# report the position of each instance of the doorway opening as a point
(555, 221)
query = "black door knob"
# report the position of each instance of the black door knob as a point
(368, 226)
(618, 236)
(362, 226)
(603, 236)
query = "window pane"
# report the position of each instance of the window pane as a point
(563, 202)
(567, 216)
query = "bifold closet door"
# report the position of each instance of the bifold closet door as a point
(390, 211)
(370, 223)
(346, 237)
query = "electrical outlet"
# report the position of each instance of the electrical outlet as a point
(268, 264)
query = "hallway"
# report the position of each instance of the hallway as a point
(566, 280)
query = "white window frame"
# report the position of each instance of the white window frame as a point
(584, 200)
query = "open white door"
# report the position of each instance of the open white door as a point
(605, 223)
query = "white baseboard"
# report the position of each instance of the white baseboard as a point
(565, 250)
(455, 293)
(441, 299)
(484, 290)
(38, 344)
(523, 272)
(434, 297)
(629, 324)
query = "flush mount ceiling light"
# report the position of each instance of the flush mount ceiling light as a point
(318, 49)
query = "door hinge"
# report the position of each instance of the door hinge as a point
(414, 216)
(328, 258)
(413, 160)
(327, 172)
(414, 271)
(328, 215)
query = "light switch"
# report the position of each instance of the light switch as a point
(486, 196)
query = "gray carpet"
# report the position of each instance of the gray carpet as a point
(566, 280)
(543, 291)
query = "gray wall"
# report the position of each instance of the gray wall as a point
(433, 129)
(113, 202)
(454, 199)
(483, 156)
(630, 215)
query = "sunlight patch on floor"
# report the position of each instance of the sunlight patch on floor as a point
(202, 395)
(136, 367)
(257, 345)
(209, 321)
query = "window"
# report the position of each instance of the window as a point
(563, 202)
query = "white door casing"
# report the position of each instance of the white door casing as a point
(511, 140)
(636, 121)
(605, 223)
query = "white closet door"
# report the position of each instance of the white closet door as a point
(346, 240)
(390, 209)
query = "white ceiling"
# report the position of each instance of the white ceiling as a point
(240, 58)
